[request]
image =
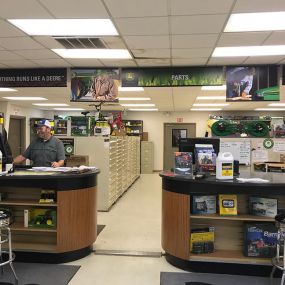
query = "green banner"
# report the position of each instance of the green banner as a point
(176, 76)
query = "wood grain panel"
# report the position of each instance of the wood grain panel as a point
(76, 219)
(175, 224)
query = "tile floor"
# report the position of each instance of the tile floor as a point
(132, 224)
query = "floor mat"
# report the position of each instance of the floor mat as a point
(39, 273)
(176, 278)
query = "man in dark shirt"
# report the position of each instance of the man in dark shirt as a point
(46, 150)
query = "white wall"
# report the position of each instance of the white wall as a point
(153, 124)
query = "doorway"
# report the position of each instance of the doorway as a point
(172, 132)
(17, 135)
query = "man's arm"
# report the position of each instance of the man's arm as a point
(58, 163)
(60, 155)
(19, 159)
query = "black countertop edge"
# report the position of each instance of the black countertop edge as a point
(59, 182)
(210, 185)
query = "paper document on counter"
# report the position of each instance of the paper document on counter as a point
(253, 180)
(62, 169)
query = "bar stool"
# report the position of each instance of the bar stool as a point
(278, 261)
(5, 237)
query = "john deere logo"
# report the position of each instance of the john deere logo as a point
(268, 143)
(130, 76)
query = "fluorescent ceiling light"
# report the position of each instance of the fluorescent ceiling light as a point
(210, 88)
(249, 51)
(211, 98)
(7, 90)
(147, 109)
(138, 105)
(251, 22)
(276, 104)
(206, 109)
(66, 27)
(50, 104)
(25, 98)
(94, 53)
(269, 109)
(211, 104)
(134, 98)
(69, 109)
(134, 89)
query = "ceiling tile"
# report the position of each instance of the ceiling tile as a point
(145, 42)
(276, 38)
(51, 62)
(202, 24)
(3, 65)
(114, 42)
(193, 7)
(137, 8)
(87, 9)
(194, 52)
(85, 62)
(282, 61)
(143, 26)
(242, 39)
(7, 55)
(48, 42)
(28, 9)
(263, 59)
(22, 42)
(23, 63)
(194, 41)
(153, 53)
(118, 63)
(154, 62)
(8, 30)
(226, 60)
(245, 6)
(37, 54)
(189, 61)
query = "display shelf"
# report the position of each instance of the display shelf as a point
(233, 218)
(20, 227)
(26, 202)
(133, 127)
(229, 256)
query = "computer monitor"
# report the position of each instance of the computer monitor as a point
(188, 145)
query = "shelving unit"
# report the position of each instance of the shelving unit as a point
(133, 127)
(62, 127)
(146, 157)
(118, 158)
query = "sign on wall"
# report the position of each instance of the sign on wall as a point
(177, 76)
(94, 85)
(42, 77)
(252, 83)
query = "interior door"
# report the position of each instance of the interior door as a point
(16, 135)
(172, 132)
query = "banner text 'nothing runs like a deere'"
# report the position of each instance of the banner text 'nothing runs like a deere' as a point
(165, 77)
(44, 77)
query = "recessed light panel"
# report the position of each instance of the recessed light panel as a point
(145, 109)
(25, 98)
(128, 89)
(211, 105)
(134, 98)
(66, 27)
(211, 98)
(69, 109)
(213, 88)
(50, 104)
(138, 105)
(206, 109)
(251, 22)
(7, 90)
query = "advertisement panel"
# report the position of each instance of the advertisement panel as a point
(252, 83)
(94, 85)
(41, 77)
(176, 76)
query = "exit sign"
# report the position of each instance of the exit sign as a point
(179, 120)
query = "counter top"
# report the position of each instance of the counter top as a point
(56, 181)
(207, 185)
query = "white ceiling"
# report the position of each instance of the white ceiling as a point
(157, 33)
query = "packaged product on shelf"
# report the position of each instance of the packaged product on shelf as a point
(228, 205)
(202, 240)
(205, 158)
(204, 205)
(42, 218)
(260, 240)
(183, 163)
(266, 207)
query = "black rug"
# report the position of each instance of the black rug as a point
(99, 229)
(176, 278)
(39, 274)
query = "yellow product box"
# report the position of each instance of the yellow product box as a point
(202, 240)
(228, 205)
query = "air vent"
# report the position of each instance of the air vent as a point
(80, 43)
